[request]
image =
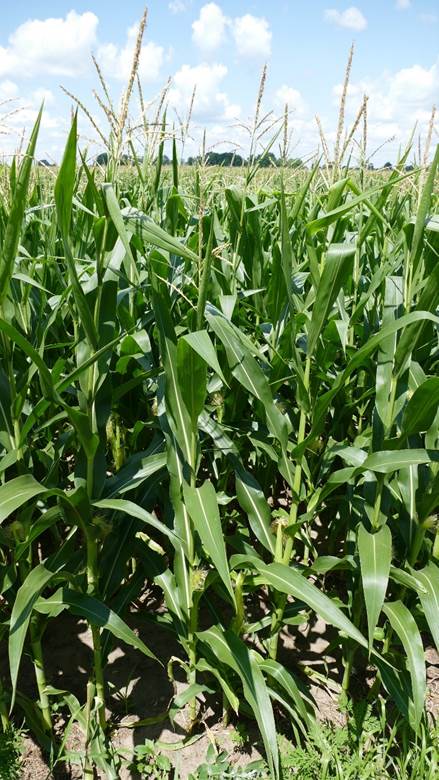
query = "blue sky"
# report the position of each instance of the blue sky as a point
(221, 47)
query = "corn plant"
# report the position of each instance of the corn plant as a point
(226, 390)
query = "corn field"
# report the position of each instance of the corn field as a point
(225, 391)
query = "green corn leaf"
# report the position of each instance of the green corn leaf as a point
(28, 349)
(174, 163)
(299, 200)
(202, 506)
(218, 434)
(181, 443)
(65, 182)
(231, 696)
(34, 718)
(244, 343)
(145, 227)
(18, 491)
(27, 595)
(404, 625)
(332, 216)
(429, 597)
(192, 378)
(254, 503)
(137, 470)
(231, 651)
(391, 460)
(384, 409)
(429, 500)
(356, 361)
(428, 301)
(408, 580)
(397, 684)
(14, 224)
(64, 188)
(288, 580)
(98, 614)
(176, 409)
(338, 263)
(41, 524)
(116, 215)
(166, 581)
(201, 343)
(247, 371)
(423, 211)
(206, 264)
(159, 160)
(422, 407)
(375, 552)
(286, 681)
(81, 423)
(287, 260)
(385, 462)
(133, 510)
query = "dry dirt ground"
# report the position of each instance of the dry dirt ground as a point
(140, 688)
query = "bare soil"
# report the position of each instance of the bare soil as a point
(139, 688)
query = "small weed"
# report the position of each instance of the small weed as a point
(219, 765)
(240, 736)
(149, 763)
(11, 750)
(363, 748)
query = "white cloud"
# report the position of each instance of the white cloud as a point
(38, 95)
(178, 6)
(54, 46)
(415, 82)
(211, 102)
(62, 46)
(19, 117)
(209, 30)
(232, 111)
(396, 94)
(25, 117)
(8, 90)
(116, 61)
(352, 18)
(403, 4)
(396, 101)
(293, 97)
(252, 36)
(48, 121)
(383, 131)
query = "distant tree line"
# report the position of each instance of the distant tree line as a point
(233, 160)
(225, 159)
